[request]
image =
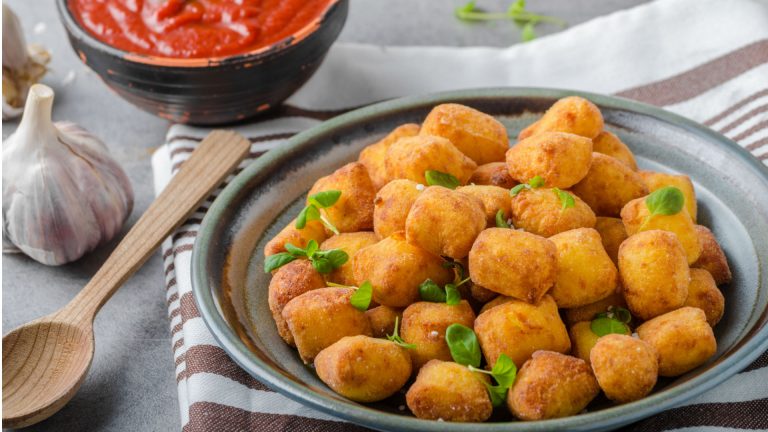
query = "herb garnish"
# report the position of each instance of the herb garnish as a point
(361, 298)
(439, 178)
(458, 268)
(311, 212)
(666, 201)
(566, 199)
(614, 320)
(395, 336)
(516, 12)
(533, 183)
(501, 220)
(465, 350)
(463, 344)
(431, 292)
(324, 261)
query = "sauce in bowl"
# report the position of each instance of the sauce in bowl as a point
(194, 28)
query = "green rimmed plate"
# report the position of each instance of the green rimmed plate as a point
(230, 286)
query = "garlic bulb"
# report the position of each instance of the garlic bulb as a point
(22, 66)
(63, 194)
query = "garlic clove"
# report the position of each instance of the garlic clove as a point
(23, 65)
(63, 195)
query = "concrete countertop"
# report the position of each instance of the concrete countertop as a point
(131, 384)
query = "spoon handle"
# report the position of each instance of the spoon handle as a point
(208, 165)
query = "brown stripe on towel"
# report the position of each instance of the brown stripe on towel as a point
(751, 416)
(188, 307)
(757, 144)
(174, 296)
(747, 133)
(696, 81)
(735, 107)
(214, 360)
(739, 121)
(213, 417)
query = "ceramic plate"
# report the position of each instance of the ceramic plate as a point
(230, 285)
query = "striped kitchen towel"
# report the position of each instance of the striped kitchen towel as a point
(704, 59)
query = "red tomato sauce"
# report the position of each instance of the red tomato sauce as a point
(194, 28)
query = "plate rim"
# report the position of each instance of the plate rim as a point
(347, 410)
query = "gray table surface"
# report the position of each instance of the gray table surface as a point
(131, 384)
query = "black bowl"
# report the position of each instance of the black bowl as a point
(209, 91)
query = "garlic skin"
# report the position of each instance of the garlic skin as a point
(63, 195)
(22, 66)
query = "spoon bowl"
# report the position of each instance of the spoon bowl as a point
(51, 354)
(46, 360)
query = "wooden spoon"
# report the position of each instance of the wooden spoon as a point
(46, 360)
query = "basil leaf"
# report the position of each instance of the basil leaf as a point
(504, 371)
(463, 344)
(277, 260)
(604, 326)
(665, 201)
(622, 315)
(336, 257)
(361, 298)
(452, 295)
(328, 261)
(462, 12)
(456, 265)
(438, 178)
(295, 251)
(517, 189)
(325, 199)
(501, 219)
(308, 213)
(498, 394)
(536, 182)
(566, 199)
(431, 292)
(321, 264)
(311, 248)
(516, 8)
(301, 219)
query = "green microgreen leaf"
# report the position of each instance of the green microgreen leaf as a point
(566, 200)
(431, 292)
(395, 336)
(497, 393)
(458, 269)
(329, 260)
(528, 33)
(533, 183)
(501, 219)
(603, 325)
(516, 8)
(325, 199)
(519, 188)
(463, 344)
(297, 251)
(452, 295)
(464, 12)
(536, 182)
(504, 372)
(361, 298)
(439, 178)
(312, 247)
(277, 260)
(311, 212)
(665, 201)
